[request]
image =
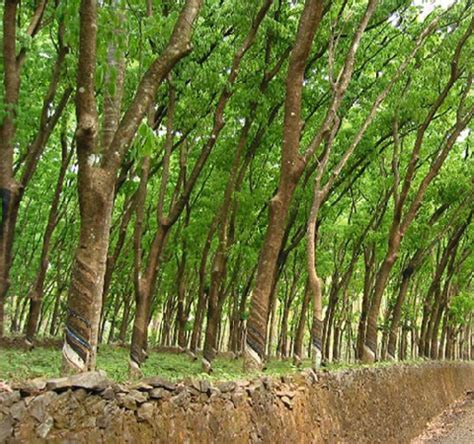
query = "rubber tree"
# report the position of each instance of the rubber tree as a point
(146, 285)
(292, 166)
(404, 210)
(98, 165)
(36, 292)
(407, 273)
(321, 191)
(15, 174)
(226, 211)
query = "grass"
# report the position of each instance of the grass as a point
(19, 365)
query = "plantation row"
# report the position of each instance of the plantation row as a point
(271, 178)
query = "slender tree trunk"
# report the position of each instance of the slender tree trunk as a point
(402, 218)
(286, 315)
(113, 322)
(370, 345)
(143, 303)
(8, 186)
(299, 335)
(219, 265)
(369, 261)
(203, 289)
(234, 323)
(12, 190)
(112, 258)
(55, 314)
(181, 315)
(125, 317)
(329, 317)
(466, 336)
(336, 352)
(291, 169)
(37, 290)
(397, 312)
(61, 286)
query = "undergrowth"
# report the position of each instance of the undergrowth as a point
(18, 365)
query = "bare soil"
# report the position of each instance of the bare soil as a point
(454, 426)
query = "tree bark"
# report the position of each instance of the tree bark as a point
(37, 290)
(369, 265)
(291, 170)
(299, 334)
(407, 274)
(98, 167)
(203, 289)
(11, 189)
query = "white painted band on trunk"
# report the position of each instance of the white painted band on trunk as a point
(253, 354)
(134, 365)
(368, 351)
(206, 365)
(317, 356)
(72, 357)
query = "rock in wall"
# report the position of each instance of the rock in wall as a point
(371, 405)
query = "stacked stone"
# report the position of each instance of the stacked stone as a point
(91, 400)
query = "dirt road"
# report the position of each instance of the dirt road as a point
(454, 426)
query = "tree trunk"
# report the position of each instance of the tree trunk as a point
(181, 315)
(291, 169)
(98, 167)
(402, 217)
(336, 352)
(369, 261)
(125, 317)
(203, 289)
(8, 187)
(299, 335)
(87, 282)
(144, 295)
(36, 293)
(370, 346)
(407, 274)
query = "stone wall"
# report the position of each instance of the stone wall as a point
(389, 405)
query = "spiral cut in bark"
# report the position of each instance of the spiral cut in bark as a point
(76, 348)
(80, 334)
(369, 351)
(137, 354)
(297, 360)
(253, 354)
(209, 354)
(254, 349)
(137, 357)
(391, 357)
(206, 366)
